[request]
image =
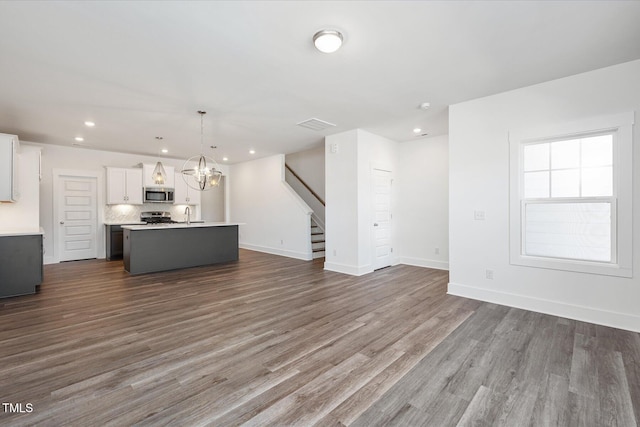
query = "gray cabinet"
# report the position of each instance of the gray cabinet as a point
(21, 266)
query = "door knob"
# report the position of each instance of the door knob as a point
(375, 224)
(61, 222)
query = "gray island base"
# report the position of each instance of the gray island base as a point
(149, 249)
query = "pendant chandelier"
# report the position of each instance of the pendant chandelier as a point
(159, 175)
(201, 172)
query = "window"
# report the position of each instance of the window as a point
(571, 198)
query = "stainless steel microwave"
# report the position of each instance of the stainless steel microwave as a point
(158, 195)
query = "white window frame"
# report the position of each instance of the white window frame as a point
(621, 125)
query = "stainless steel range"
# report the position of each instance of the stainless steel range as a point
(156, 217)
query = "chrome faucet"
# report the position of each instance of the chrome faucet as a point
(187, 212)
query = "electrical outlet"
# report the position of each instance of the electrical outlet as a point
(489, 274)
(334, 252)
(437, 251)
(282, 242)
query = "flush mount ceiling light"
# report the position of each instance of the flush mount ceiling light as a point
(327, 41)
(206, 173)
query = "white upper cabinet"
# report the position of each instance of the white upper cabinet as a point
(184, 195)
(124, 186)
(149, 182)
(9, 146)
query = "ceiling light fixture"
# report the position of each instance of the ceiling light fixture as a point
(327, 41)
(205, 174)
(252, 151)
(89, 124)
(159, 175)
(417, 130)
(225, 159)
(165, 151)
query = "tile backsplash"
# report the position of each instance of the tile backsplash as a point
(131, 213)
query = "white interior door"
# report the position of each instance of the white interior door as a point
(77, 218)
(381, 218)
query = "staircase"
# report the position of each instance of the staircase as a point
(317, 240)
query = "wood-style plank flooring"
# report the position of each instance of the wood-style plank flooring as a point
(270, 340)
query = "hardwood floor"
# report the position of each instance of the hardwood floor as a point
(276, 341)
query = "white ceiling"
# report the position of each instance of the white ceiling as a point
(142, 69)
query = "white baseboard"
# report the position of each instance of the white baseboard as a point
(348, 269)
(576, 312)
(274, 251)
(422, 262)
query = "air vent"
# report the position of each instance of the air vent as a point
(315, 124)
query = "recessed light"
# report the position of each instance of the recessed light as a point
(79, 138)
(417, 130)
(225, 159)
(252, 151)
(89, 124)
(327, 41)
(165, 151)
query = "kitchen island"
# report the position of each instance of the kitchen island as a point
(162, 247)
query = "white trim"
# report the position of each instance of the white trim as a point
(423, 262)
(613, 319)
(274, 251)
(348, 269)
(576, 127)
(100, 243)
(621, 125)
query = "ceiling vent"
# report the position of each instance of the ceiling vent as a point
(315, 124)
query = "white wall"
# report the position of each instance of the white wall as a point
(479, 180)
(348, 177)
(212, 203)
(61, 157)
(276, 220)
(24, 213)
(422, 216)
(341, 196)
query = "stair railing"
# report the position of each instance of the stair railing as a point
(305, 184)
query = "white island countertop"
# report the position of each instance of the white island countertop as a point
(21, 231)
(179, 225)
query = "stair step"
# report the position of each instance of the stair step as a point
(318, 250)
(316, 233)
